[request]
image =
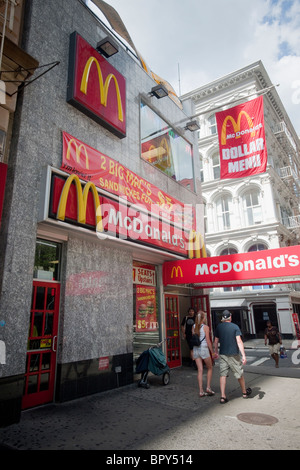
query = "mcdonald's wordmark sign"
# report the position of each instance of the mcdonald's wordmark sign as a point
(260, 267)
(95, 87)
(242, 140)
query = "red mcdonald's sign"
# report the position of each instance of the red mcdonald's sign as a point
(242, 140)
(95, 87)
(274, 266)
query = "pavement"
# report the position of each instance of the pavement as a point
(170, 420)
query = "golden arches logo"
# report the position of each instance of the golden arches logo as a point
(196, 245)
(236, 125)
(82, 197)
(176, 270)
(164, 145)
(103, 87)
(78, 149)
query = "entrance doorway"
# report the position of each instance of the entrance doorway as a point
(42, 344)
(263, 313)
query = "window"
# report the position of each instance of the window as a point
(47, 260)
(201, 170)
(252, 207)
(259, 247)
(165, 149)
(223, 208)
(212, 126)
(205, 217)
(216, 166)
(230, 251)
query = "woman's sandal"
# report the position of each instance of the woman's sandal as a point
(202, 394)
(223, 400)
(209, 392)
(248, 392)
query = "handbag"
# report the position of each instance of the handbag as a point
(195, 340)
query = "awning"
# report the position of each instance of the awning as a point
(228, 303)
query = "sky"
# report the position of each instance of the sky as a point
(190, 43)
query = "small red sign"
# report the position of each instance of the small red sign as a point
(103, 363)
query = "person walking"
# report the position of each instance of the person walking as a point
(228, 334)
(203, 353)
(186, 329)
(272, 334)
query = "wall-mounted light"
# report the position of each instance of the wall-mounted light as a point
(159, 91)
(107, 47)
(192, 126)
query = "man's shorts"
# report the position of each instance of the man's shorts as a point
(274, 348)
(232, 363)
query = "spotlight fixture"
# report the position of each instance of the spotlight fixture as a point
(159, 91)
(107, 47)
(192, 126)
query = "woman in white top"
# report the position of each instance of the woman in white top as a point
(203, 353)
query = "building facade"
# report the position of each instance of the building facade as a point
(255, 213)
(100, 174)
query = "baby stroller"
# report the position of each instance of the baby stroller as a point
(152, 360)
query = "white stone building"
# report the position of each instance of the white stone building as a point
(254, 213)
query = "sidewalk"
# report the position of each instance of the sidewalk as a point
(168, 418)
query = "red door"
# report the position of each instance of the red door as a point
(172, 330)
(41, 346)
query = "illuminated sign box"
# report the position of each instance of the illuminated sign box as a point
(95, 87)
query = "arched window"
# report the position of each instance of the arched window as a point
(259, 247)
(252, 207)
(230, 251)
(223, 210)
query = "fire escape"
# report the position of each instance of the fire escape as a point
(290, 173)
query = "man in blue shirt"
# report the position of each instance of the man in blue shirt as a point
(229, 336)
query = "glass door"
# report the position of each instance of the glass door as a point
(42, 345)
(172, 330)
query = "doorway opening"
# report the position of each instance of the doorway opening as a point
(263, 313)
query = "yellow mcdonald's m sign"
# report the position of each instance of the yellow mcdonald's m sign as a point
(95, 87)
(78, 149)
(236, 125)
(82, 197)
(196, 245)
(103, 87)
(176, 271)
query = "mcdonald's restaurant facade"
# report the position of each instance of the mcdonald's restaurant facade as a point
(102, 189)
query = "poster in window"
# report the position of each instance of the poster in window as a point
(146, 316)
